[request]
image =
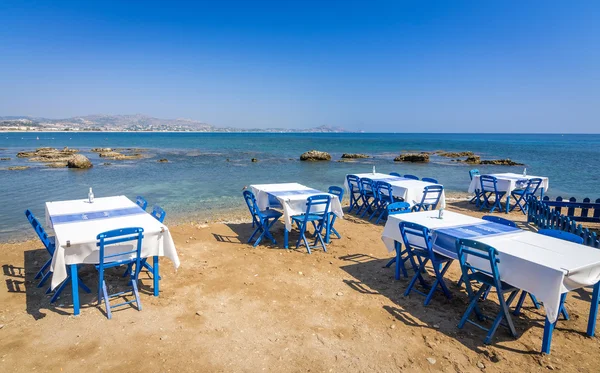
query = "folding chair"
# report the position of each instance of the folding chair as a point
(521, 195)
(44, 273)
(395, 174)
(159, 214)
(431, 198)
(383, 198)
(399, 259)
(429, 180)
(141, 201)
(317, 213)
(339, 192)
(411, 177)
(417, 240)
(113, 253)
(477, 198)
(354, 191)
(488, 189)
(367, 194)
(499, 220)
(263, 220)
(471, 254)
(571, 237)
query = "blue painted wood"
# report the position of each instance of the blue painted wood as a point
(262, 220)
(317, 219)
(156, 277)
(591, 329)
(586, 207)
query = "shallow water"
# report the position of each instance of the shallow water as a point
(199, 183)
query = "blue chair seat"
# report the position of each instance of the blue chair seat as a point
(310, 217)
(271, 214)
(489, 280)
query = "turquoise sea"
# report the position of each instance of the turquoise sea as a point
(200, 183)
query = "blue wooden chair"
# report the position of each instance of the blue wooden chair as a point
(353, 182)
(477, 198)
(339, 192)
(499, 220)
(141, 201)
(521, 195)
(263, 220)
(44, 273)
(395, 174)
(571, 237)
(113, 253)
(417, 240)
(383, 198)
(367, 194)
(429, 180)
(488, 278)
(401, 255)
(317, 213)
(158, 213)
(411, 177)
(489, 189)
(431, 198)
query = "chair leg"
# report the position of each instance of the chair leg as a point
(474, 298)
(416, 277)
(439, 270)
(44, 279)
(136, 295)
(106, 300)
(42, 271)
(503, 314)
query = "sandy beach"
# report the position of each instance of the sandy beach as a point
(234, 308)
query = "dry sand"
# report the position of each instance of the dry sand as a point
(234, 308)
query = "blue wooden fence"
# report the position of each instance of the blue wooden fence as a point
(545, 216)
(589, 213)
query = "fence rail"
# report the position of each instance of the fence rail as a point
(589, 211)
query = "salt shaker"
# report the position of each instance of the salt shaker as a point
(441, 213)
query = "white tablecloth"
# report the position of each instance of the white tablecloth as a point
(77, 223)
(507, 182)
(542, 265)
(292, 198)
(408, 189)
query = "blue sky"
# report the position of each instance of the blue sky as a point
(392, 66)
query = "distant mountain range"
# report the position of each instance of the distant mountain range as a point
(136, 122)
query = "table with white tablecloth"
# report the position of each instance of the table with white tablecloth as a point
(507, 182)
(77, 223)
(291, 197)
(544, 266)
(410, 190)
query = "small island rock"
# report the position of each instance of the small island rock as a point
(354, 156)
(412, 157)
(18, 168)
(163, 160)
(315, 155)
(455, 154)
(254, 160)
(79, 161)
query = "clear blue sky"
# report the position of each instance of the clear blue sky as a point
(398, 66)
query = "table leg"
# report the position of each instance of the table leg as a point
(507, 202)
(285, 238)
(542, 193)
(547, 341)
(398, 261)
(591, 330)
(155, 275)
(75, 289)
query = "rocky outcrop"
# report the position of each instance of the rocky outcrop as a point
(18, 168)
(48, 154)
(412, 157)
(163, 160)
(502, 162)
(454, 154)
(119, 156)
(254, 160)
(315, 155)
(101, 150)
(354, 156)
(5, 159)
(57, 165)
(473, 159)
(79, 161)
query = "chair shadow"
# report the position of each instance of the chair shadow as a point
(372, 278)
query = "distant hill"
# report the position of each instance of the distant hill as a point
(136, 122)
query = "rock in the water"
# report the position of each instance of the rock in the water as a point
(18, 168)
(354, 155)
(101, 150)
(412, 157)
(57, 164)
(119, 156)
(163, 160)
(473, 159)
(79, 161)
(48, 154)
(5, 159)
(502, 162)
(254, 160)
(315, 155)
(454, 154)
(106, 163)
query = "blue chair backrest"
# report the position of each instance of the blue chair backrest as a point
(417, 238)
(158, 213)
(571, 237)
(252, 206)
(432, 195)
(411, 177)
(384, 191)
(499, 220)
(337, 191)
(429, 180)
(39, 230)
(353, 183)
(141, 201)
(473, 172)
(488, 183)
(119, 236)
(367, 185)
(318, 204)
(468, 250)
(533, 185)
(398, 208)
(395, 174)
